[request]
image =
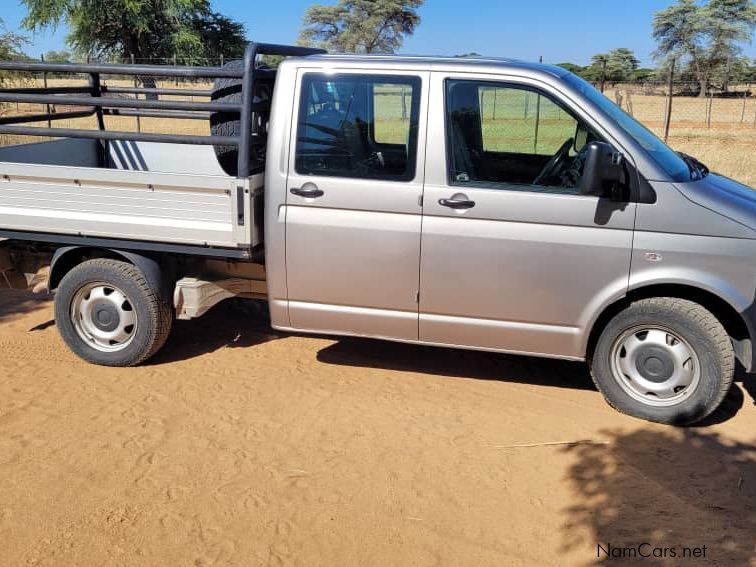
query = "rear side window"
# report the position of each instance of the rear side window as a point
(362, 126)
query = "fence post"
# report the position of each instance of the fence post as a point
(136, 96)
(708, 109)
(745, 97)
(668, 115)
(175, 62)
(44, 83)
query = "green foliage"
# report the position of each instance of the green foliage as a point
(361, 26)
(642, 75)
(707, 37)
(747, 73)
(144, 29)
(11, 45)
(571, 67)
(220, 36)
(59, 57)
(619, 65)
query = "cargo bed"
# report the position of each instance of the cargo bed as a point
(58, 188)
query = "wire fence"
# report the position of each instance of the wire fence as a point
(719, 127)
(648, 102)
(653, 105)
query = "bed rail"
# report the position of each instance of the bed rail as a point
(95, 100)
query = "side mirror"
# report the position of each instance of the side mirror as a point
(602, 172)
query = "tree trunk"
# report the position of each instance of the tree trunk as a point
(702, 75)
(135, 52)
(703, 86)
(728, 72)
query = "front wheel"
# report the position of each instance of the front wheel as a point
(108, 314)
(664, 359)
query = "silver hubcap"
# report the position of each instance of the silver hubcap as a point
(103, 317)
(655, 366)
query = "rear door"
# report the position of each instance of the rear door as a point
(353, 209)
(513, 257)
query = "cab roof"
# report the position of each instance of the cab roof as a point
(435, 63)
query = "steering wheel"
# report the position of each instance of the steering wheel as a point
(554, 162)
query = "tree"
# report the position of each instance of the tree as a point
(58, 57)
(11, 45)
(221, 36)
(621, 64)
(642, 75)
(143, 29)
(747, 73)
(599, 63)
(706, 36)
(571, 67)
(586, 72)
(618, 66)
(361, 26)
(730, 22)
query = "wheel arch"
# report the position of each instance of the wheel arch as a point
(738, 327)
(66, 258)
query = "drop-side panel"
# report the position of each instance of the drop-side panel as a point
(176, 208)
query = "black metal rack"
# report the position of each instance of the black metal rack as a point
(96, 102)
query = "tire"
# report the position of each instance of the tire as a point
(109, 315)
(637, 366)
(229, 124)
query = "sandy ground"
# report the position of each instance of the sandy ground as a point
(240, 446)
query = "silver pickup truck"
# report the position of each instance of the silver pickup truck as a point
(472, 203)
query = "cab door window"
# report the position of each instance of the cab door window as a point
(361, 126)
(510, 137)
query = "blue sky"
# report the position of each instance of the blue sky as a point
(558, 30)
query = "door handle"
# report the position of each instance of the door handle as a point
(310, 191)
(457, 202)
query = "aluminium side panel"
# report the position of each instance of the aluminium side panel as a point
(158, 207)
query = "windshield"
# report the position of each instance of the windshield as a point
(673, 164)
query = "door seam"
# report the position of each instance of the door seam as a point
(422, 199)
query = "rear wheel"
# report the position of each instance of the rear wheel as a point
(108, 314)
(664, 359)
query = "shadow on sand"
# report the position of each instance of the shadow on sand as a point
(14, 302)
(456, 363)
(234, 323)
(491, 366)
(243, 323)
(668, 488)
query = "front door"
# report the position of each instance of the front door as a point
(513, 258)
(353, 208)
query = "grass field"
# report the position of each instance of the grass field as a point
(726, 142)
